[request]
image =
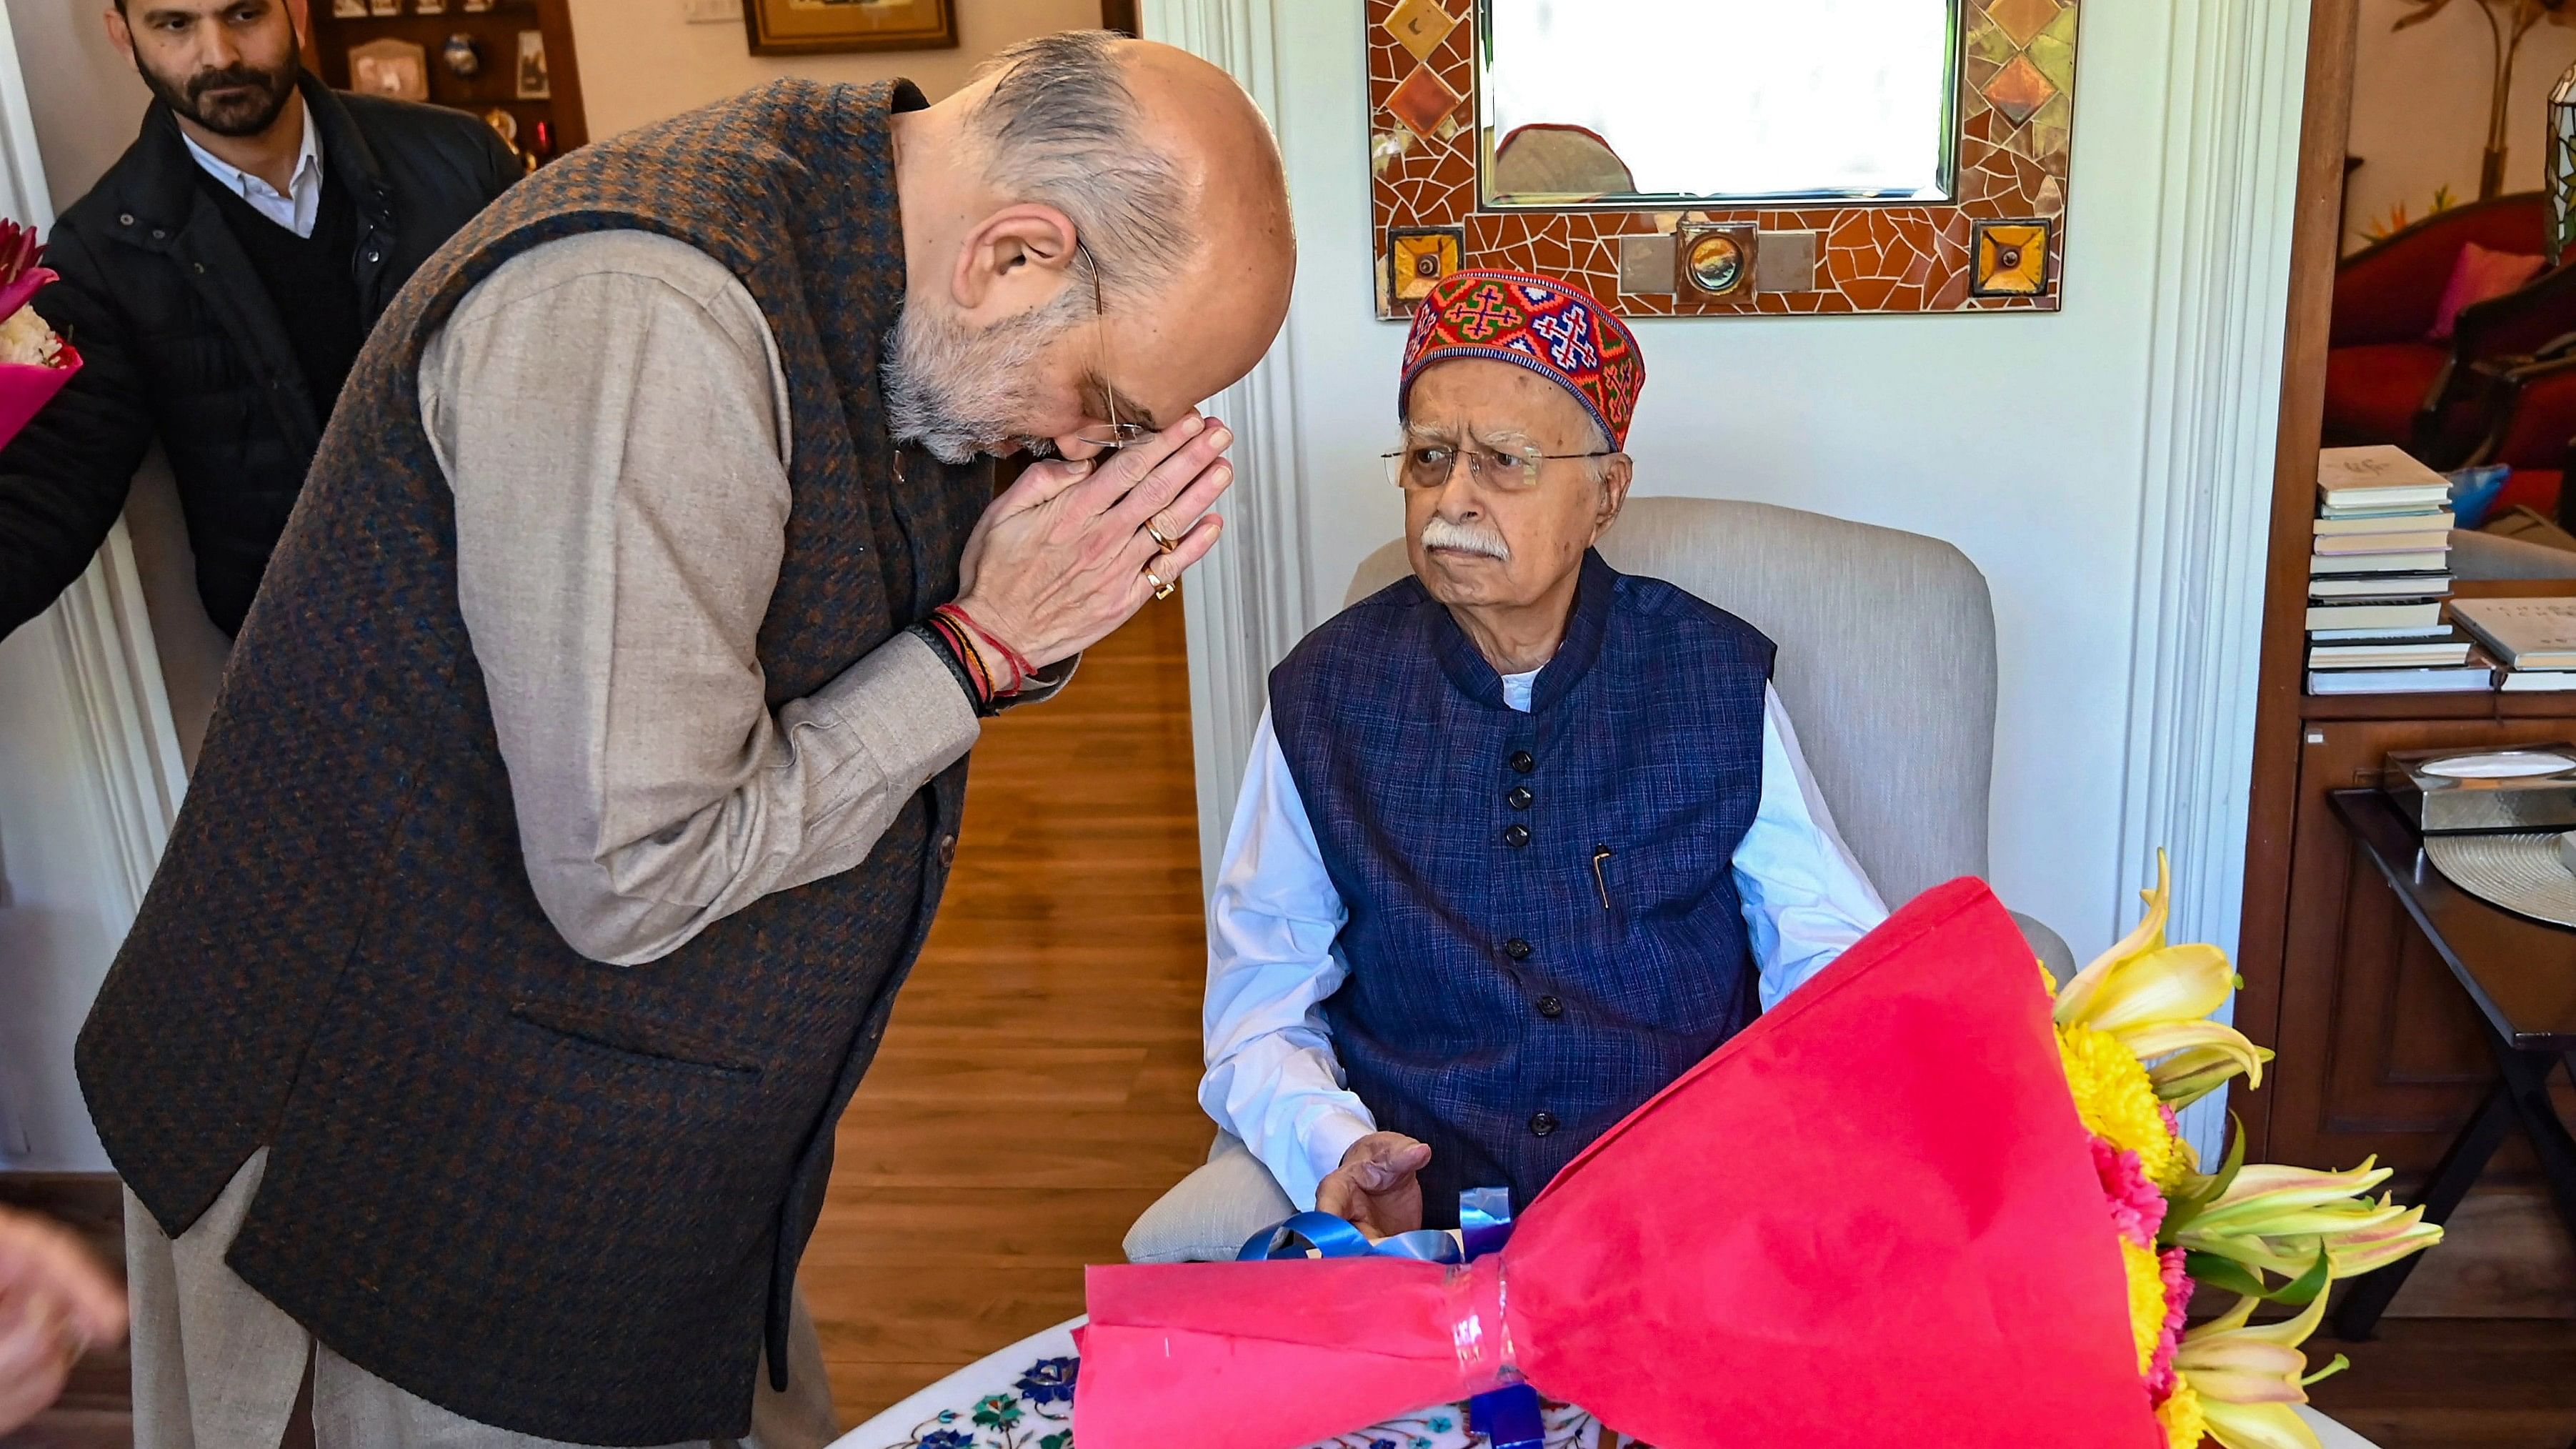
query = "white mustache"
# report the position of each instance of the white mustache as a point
(1464, 538)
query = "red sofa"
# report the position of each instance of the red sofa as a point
(2532, 429)
(2386, 381)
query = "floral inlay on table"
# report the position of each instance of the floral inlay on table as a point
(995, 1405)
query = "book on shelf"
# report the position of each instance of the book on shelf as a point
(2384, 654)
(2537, 681)
(2474, 677)
(2398, 585)
(2424, 615)
(2416, 522)
(2383, 510)
(2524, 633)
(2433, 560)
(2379, 475)
(2421, 634)
(2334, 544)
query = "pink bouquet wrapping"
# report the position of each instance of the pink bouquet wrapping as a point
(1871, 1218)
(34, 363)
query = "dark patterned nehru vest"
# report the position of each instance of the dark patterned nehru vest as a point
(1544, 928)
(558, 1196)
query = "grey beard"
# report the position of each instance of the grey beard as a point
(957, 392)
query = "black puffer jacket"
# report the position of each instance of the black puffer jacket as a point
(180, 342)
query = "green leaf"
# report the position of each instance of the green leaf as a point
(2301, 1291)
(2199, 1190)
(2224, 1274)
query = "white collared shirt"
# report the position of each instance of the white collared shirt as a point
(1274, 920)
(299, 204)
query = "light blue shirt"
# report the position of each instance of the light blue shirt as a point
(298, 205)
(1272, 1078)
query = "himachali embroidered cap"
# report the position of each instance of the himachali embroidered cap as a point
(1546, 326)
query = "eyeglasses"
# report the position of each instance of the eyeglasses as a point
(1114, 433)
(1506, 470)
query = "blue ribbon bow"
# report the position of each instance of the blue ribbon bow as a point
(1507, 1417)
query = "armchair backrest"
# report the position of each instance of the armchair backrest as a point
(1886, 663)
(2387, 292)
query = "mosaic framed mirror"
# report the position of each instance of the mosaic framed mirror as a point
(1711, 158)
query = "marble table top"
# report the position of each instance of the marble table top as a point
(1021, 1397)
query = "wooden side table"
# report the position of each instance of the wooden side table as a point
(2521, 976)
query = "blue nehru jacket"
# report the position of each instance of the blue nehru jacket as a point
(1544, 928)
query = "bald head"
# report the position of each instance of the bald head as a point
(1117, 210)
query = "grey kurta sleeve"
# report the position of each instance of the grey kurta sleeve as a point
(609, 413)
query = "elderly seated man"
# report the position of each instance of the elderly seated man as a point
(1523, 838)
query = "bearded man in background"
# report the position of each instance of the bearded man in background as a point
(589, 769)
(218, 282)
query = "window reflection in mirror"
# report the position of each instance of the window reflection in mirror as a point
(1716, 101)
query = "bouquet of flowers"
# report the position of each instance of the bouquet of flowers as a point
(1884, 1213)
(2133, 1031)
(34, 363)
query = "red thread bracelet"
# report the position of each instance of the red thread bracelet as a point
(1021, 668)
(954, 640)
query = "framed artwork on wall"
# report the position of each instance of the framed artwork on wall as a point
(804, 27)
(396, 68)
(534, 84)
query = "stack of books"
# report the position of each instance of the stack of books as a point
(2377, 579)
(2533, 640)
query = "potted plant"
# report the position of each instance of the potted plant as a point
(2508, 21)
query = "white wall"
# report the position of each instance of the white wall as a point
(642, 60)
(2419, 108)
(2021, 438)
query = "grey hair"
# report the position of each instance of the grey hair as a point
(1063, 129)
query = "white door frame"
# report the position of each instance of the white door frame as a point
(1248, 602)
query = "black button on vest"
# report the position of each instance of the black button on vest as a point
(1542, 1123)
(1520, 797)
(1523, 761)
(1517, 949)
(1551, 1007)
(1516, 836)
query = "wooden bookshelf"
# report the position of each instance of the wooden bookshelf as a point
(495, 32)
(2378, 1051)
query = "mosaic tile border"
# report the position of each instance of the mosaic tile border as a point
(2016, 103)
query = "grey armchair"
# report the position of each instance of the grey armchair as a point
(1887, 666)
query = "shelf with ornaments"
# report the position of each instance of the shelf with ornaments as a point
(509, 62)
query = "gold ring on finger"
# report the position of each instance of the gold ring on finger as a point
(1162, 541)
(1162, 590)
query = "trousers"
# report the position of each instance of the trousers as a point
(217, 1366)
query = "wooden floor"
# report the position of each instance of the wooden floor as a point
(1035, 1094)
(1036, 1091)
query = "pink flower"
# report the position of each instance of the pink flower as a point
(2137, 1208)
(2161, 1378)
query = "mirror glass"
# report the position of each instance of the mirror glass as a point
(1716, 102)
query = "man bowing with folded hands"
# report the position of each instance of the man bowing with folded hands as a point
(589, 768)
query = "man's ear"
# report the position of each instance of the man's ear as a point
(1013, 260)
(120, 34)
(1617, 472)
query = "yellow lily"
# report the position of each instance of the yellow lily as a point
(2192, 1058)
(2075, 998)
(2276, 1218)
(2155, 999)
(2246, 1379)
